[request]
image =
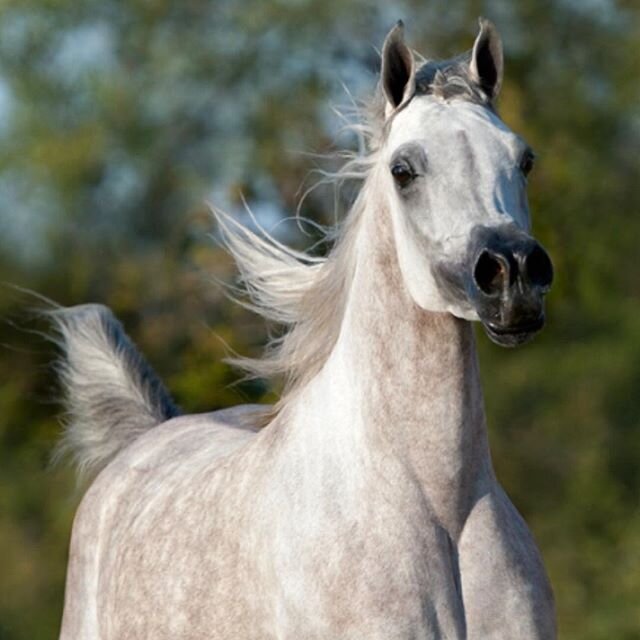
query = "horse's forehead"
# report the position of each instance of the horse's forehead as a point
(436, 121)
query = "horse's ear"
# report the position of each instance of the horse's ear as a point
(486, 64)
(398, 70)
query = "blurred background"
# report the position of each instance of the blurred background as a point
(118, 121)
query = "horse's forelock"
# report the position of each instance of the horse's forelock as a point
(445, 79)
(449, 79)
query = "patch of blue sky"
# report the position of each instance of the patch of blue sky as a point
(28, 211)
(7, 104)
(83, 51)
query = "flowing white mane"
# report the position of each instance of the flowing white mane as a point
(303, 293)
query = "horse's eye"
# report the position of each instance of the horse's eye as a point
(526, 162)
(402, 174)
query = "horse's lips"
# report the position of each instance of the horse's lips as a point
(515, 335)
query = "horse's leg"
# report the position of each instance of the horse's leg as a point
(505, 589)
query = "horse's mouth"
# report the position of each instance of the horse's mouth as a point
(513, 336)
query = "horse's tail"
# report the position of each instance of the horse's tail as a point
(112, 395)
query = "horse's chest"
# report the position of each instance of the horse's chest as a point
(378, 573)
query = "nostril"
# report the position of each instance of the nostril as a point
(538, 268)
(490, 273)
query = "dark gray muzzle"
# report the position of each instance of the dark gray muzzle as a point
(509, 276)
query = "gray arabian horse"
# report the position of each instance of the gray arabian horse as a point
(366, 507)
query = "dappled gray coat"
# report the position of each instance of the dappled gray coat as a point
(367, 507)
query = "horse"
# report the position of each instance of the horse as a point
(363, 504)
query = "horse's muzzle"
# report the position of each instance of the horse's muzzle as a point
(509, 275)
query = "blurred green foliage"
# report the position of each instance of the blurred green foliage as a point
(118, 121)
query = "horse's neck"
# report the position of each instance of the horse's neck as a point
(405, 382)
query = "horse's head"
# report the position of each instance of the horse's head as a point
(457, 176)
